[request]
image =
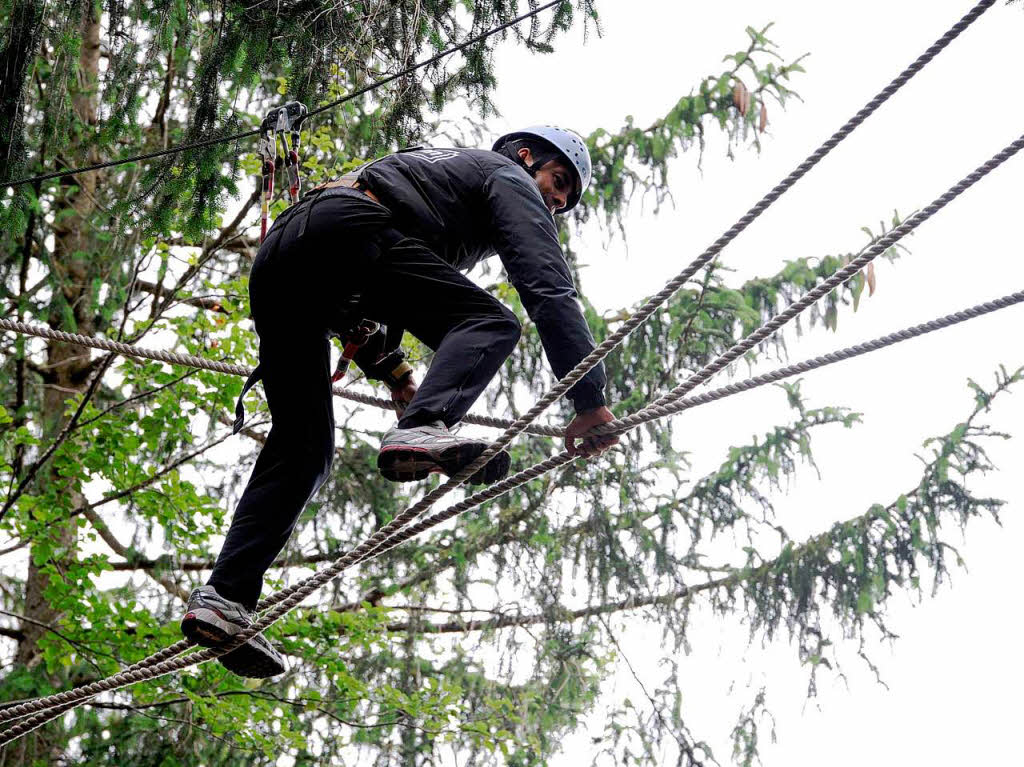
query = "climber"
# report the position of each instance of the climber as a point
(387, 244)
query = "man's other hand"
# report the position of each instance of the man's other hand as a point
(402, 395)
(581, 424)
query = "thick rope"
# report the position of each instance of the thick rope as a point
(678, 406)
(563, 457)
(660, 407)
(34, 722)
(286, 599)
(392, 534)
(652, 304)
(191, 360)
(248, 134)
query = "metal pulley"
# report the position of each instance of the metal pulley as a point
(284, 122)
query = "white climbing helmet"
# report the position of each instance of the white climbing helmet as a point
(568, 144)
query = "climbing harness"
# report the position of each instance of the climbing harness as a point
(399, 528)
(389, 367)
(285, 123)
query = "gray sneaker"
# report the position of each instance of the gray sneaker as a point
(408, 455)
(211, 620)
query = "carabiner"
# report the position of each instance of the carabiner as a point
(286, 122)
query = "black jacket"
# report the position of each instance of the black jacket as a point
(468, 204)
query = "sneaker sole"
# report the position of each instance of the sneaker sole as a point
(252, 662)
(208, 628)
(411, 464)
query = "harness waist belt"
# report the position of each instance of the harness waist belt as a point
(350, 181)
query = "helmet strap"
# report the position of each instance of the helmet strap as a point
(540, 157)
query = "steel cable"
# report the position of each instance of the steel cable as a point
(338, 102)
(288, 598)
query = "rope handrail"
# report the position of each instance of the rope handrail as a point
(662, 406)
(286, 599)
(202, 363)
(255, 131)
(678, 406)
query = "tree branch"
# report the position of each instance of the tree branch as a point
(734, 577)
(13, 496)
(119, 548)
(208, 252)
(146, 564)
(82, 647)
(556, 614)
(161, 473)
(18, 636)
(210, 304)
(137, 398)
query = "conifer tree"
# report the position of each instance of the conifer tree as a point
(488, 639)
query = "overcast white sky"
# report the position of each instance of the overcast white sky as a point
(954, 676)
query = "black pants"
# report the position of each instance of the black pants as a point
(298, 288)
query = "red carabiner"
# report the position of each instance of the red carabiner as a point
(268, 153)
(354, 339)
(284, 121)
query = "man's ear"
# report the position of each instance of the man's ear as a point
(526, 156)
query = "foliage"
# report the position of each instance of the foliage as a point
(633, 158)
(486, 639)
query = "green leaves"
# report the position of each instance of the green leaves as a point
(845, 576)
(484, 634)
(635, 159)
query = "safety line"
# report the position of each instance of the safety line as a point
(202, 363)
(563, 457)
(288, 598)
(247, 134)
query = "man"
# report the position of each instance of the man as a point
(389, 243)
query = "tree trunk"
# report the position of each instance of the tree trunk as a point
(68, 364)
(23, 31)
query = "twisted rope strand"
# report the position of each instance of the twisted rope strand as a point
(202, 363)
(653, 413)
(288, 598)
(563, 458)
(839, 277)
(49, 714)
